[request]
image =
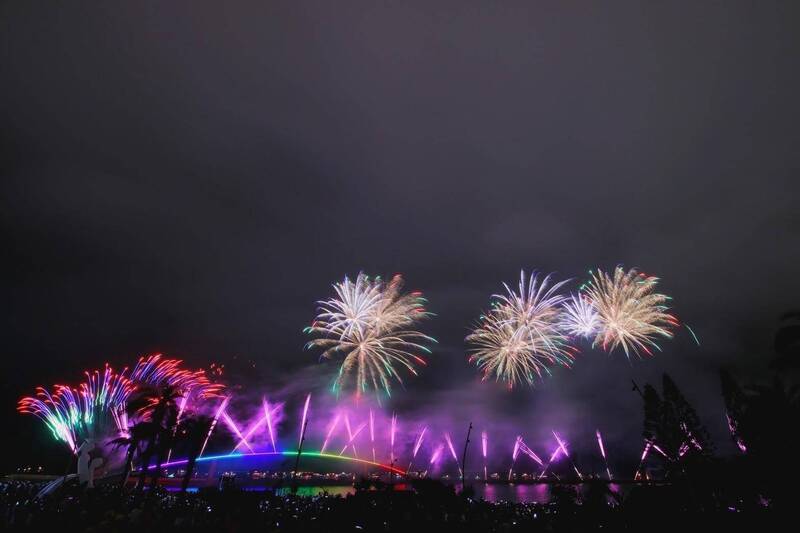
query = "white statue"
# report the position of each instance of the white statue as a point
(86, 464)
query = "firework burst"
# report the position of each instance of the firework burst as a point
(520, 338)
(370, 323)
(156, 371)
(74, 414)
(631, 314)
(96, 407)
(579, 317)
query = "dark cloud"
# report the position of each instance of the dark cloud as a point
(192, 177)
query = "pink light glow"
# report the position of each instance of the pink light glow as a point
(232, 425)
(222, 406)
(331, 429)
(419, 441)
(268, 417)
(516, 448)
(561, 444)
(391, 437)
(600, 443)
(437, 453)
(353, 438)
(305, 417)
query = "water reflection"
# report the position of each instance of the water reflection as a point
(521, 493)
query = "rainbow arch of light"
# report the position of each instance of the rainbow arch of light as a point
(287, 453)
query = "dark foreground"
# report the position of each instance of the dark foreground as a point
(430, 507)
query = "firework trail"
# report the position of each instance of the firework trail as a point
(530, 453)
(349, 435)
(417, 445)
(514, 454)
(435, 457)
(331, 429)
(369, 323)
(220, 409)
(303, 421)
(453, 452)
(351, 441)
(268, 417)
(631, 314)
(181, 408)
(484, 449)
(245, 440)
(233, 427)
(549, 462)
(392, 430)
(563, 447)
(646, 450)
(372, 433)
(559, 449)
(520, 337)
(579, 317)
(659, 450)
(603, 452)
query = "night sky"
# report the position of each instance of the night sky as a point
(191, 177)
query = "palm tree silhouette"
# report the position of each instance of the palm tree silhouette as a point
(192, 432)
(138, 433)
(159, 408)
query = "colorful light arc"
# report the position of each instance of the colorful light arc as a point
(287, 453)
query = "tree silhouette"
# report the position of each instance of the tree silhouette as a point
(138, 433)
(765, 420)
(787, 342)
(192, 432)
(672, 427)
(157, 406)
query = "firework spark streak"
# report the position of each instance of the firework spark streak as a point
(246, 438)
(659, 450)
(552, 458)
(436, 454)
(268, 417)
(603, 452)
(631, 314)
(303, 421)
(235, 428)
(453, 452)
(646, 450)
(331, 429)
(392, 430)
(372, 433)
(520, 338)
(369, 323)
(351, 441)
(181, 408)
(417, 445)
(514, 454)
(562, 445)
(530, 453)
(220, 409)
